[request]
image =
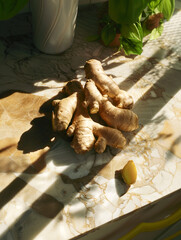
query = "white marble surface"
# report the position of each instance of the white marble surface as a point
(68, 194)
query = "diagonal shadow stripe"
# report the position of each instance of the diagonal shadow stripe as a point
(143, 69)
(18, 184)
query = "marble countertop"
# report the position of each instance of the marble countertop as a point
(48, 191)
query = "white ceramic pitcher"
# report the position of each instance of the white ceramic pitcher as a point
(53, 24)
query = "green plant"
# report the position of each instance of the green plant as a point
(134, 20)
(9, 8)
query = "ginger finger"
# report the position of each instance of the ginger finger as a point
(100, 145)
(122, 119)
(92, 96)
(63, 111)
(106, 85)
(112, 137)
(83, 139)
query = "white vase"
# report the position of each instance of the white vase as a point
(53, 24)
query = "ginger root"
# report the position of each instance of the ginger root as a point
(122, 119)
(83, 129)
(64, 109)
(106, 85)
(72, 112)
(63, 112)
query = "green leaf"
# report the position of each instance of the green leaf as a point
(131, 46)
(126, 11)
(167, 8)
(131, 38)
(154, 4)
(9, 8)
(132, 31)
(108, 34)
(156, 32)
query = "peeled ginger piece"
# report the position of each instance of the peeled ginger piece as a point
(129, 173)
